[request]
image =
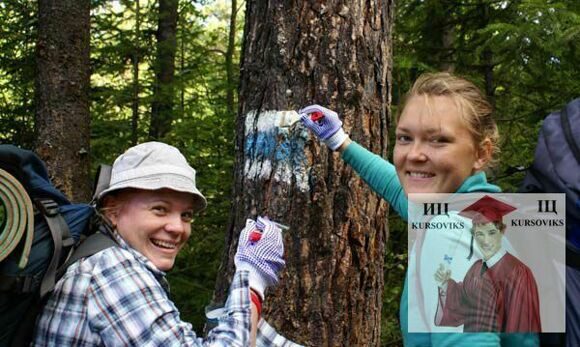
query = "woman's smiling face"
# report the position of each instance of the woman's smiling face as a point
(156, 223)
(434, 150)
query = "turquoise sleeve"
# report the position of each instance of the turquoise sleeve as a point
(379, 174)
(485, 340)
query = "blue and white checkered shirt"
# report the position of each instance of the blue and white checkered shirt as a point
(117, 297)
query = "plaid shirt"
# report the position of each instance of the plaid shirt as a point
(117, 297)
(267, 336)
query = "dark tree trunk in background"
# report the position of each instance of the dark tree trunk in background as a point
(62, 99)
(136, 87)
(439, 32)
(231, 88)
(448, 47)
(337, 54)
(162, 105)
(487, 54)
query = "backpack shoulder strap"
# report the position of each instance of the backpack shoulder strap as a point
(61, 238)
(103, 178)
(91, 245)
(568, 134)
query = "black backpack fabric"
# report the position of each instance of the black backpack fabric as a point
(556, 166)
(556, 169)
(34, 258)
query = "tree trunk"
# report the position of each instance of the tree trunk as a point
(182, 68)
(162, 106)
(439, 34)
(448, 46)
(487, 55)
(136, 60)
(62, 100)
(230, 102)
(487, 59)
(336, 54)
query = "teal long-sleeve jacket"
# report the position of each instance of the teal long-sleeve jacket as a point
(381, 176)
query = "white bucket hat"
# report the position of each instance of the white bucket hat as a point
(152, 166)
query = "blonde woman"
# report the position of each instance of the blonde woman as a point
(445, 139)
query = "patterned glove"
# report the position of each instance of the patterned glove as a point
(329, 129)
(261, 252)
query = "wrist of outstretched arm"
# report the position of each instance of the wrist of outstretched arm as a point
(336, 140)
(255, 280)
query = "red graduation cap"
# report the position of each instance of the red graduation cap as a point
(485, 210)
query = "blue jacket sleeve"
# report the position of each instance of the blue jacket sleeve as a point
(379, 174)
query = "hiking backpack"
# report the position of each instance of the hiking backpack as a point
(40, 235)
(556, 169)
(556, 165)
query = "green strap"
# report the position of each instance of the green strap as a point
(19, 218)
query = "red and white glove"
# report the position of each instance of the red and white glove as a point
(261, 253)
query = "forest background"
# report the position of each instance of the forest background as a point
(524, 54)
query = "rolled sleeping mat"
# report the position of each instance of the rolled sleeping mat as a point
(18, 220)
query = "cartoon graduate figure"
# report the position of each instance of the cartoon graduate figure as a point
(499, 292)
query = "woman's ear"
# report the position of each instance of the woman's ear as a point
(111, 207)
(483, 155)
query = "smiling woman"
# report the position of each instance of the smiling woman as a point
(434, 150)
(119, 296)
(155, 223)
(446, 138)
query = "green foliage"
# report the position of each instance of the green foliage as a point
(530, 46)
(202, 129)
(394, 275)
(17, 68)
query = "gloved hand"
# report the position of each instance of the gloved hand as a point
(261, 252)
(329, 129)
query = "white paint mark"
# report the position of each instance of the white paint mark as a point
(275, 151)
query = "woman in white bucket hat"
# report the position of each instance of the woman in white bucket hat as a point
(119, 296)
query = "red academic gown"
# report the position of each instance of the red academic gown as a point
(504, 298)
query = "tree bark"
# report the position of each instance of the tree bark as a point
(162, 105)
(487, 55)
(136, 87)
(62, 94)
(439, 33)
(337, 54)
(448, 47)
(230, 91)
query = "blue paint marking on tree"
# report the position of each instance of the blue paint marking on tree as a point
(283, 151)
(273, 152)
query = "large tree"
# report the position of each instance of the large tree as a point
(163, 93)
(62, 94)
(339, 55)
(229, 57)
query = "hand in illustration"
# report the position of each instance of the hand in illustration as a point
(442, 275)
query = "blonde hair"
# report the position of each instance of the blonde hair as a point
(475, 109)
(112, 202)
